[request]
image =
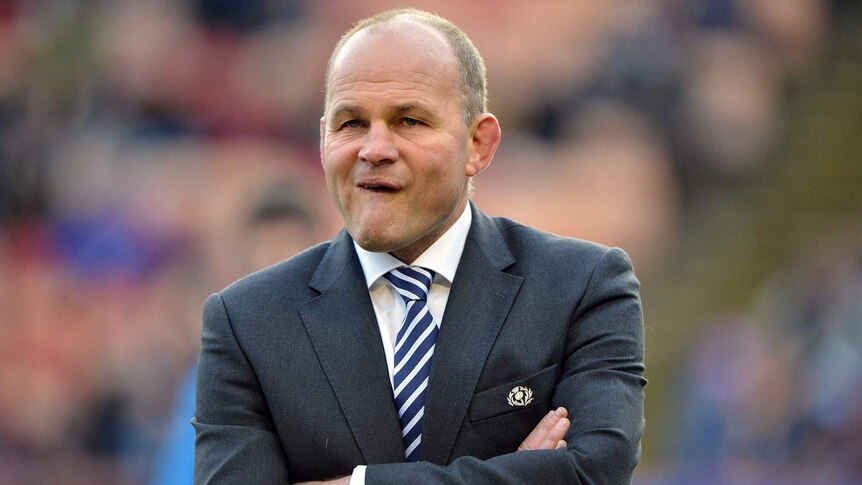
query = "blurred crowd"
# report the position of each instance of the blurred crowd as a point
(152, 152)
(774, 394)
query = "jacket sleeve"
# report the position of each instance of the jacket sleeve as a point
(235, 439)
(601, 385)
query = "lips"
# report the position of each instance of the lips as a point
(378, 185)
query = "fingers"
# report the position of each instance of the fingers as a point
(537, 436)
(556, 434)
(549, 433)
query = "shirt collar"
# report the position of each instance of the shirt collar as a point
(442, 257)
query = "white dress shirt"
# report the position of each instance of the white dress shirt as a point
(442, 257)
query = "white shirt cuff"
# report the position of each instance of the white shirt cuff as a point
(358, 476)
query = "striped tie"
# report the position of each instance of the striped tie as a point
(414, 346)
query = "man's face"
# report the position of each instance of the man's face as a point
(394, 147)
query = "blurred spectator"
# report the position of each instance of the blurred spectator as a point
(281, 224)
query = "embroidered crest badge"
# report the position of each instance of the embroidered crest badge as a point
(520, 396)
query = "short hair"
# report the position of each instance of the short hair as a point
(472, 75)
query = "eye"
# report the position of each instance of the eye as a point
(411, 121)
(351, 124)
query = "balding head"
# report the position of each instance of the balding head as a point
(470, 68)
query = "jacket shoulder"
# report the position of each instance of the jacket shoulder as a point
(528, 242)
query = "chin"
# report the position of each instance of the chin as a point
(376, 243)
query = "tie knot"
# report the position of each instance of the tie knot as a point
(411, 282)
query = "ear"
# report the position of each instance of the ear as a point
(483, 142)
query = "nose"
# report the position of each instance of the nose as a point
(378, 147)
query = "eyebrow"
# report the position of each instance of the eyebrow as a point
(400, 110)
(349, 111)
(345, 111)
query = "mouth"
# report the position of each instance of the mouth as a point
(378, 187)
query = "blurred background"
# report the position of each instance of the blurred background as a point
(153, 151)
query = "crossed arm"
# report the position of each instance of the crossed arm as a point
(600, 387)
(547, 435)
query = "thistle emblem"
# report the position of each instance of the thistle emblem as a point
(520, 396)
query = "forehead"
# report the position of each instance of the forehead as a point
(402, 54)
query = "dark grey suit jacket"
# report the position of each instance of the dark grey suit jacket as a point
(293, 383)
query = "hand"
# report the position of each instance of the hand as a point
(549, 433)
(334, 481)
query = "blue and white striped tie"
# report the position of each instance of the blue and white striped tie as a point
(414, 346)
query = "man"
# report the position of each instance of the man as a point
(307, 372)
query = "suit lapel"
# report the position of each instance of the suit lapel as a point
(343, 329)
(478, 304)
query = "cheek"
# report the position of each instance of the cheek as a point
(331, 176)
(337, 176)
(337, 162)
(446, 170)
